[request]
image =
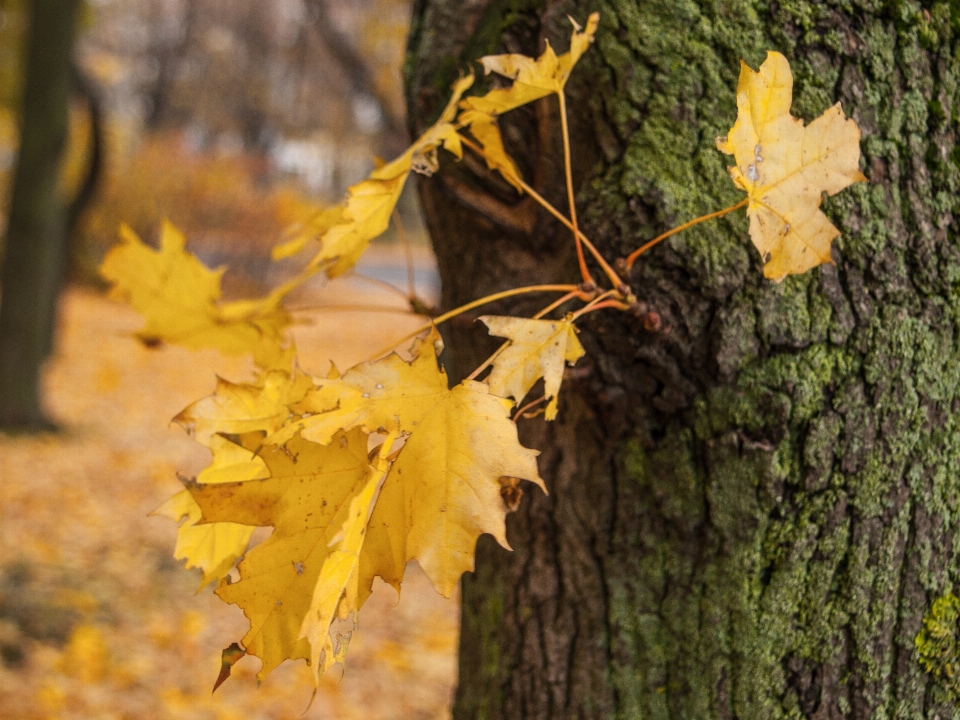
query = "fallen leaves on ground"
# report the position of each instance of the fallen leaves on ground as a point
(104, 621)
(785, 168)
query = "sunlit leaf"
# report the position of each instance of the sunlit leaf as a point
(370, 203)
(785, 168)
(307, 500)
(443, 491)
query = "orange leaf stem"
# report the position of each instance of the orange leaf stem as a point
(597, 299)
(601, 306)
(533, 403)
(546, 205)
(568, 171)
(474, 304)
(631, 258)
(408, 252)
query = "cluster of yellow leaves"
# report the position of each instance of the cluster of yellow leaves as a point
(357, 475)
(785, 168)
(180, 298)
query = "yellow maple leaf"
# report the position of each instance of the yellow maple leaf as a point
(537, 349)
(179, 299)
(532, 79)
(370, 203)
(307, 500)
(387, 394)
(338, 521)
(785, 168)
(245, 407)
(214, 548)
(443, 490)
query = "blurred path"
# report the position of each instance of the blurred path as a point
(96, 618)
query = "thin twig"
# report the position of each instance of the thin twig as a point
(408, 251)
(358, 308)
(546, 205)
(631, 258)
(568, 171)
(471, 305)
(376, 281)
(597, 299)
(601, 306)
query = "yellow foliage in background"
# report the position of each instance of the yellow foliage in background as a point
(216, 199)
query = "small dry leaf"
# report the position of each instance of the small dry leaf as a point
(532, 79)
(785, 168)
(537, 349)
(511, 493)
(228, 658)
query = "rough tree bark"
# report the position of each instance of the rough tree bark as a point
(752, 508)
(35, 247)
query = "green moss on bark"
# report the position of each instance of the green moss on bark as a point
(937, 647)
(823, 465)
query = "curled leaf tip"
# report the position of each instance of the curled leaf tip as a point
(231, 655)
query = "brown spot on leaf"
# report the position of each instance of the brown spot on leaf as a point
(511, 492)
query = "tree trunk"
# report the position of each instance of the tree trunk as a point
(35, 246)
(753, 507)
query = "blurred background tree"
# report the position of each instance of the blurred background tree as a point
(36, 227)
(234, 120)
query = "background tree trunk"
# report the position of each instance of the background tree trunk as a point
(752, 508)
(35, 248)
